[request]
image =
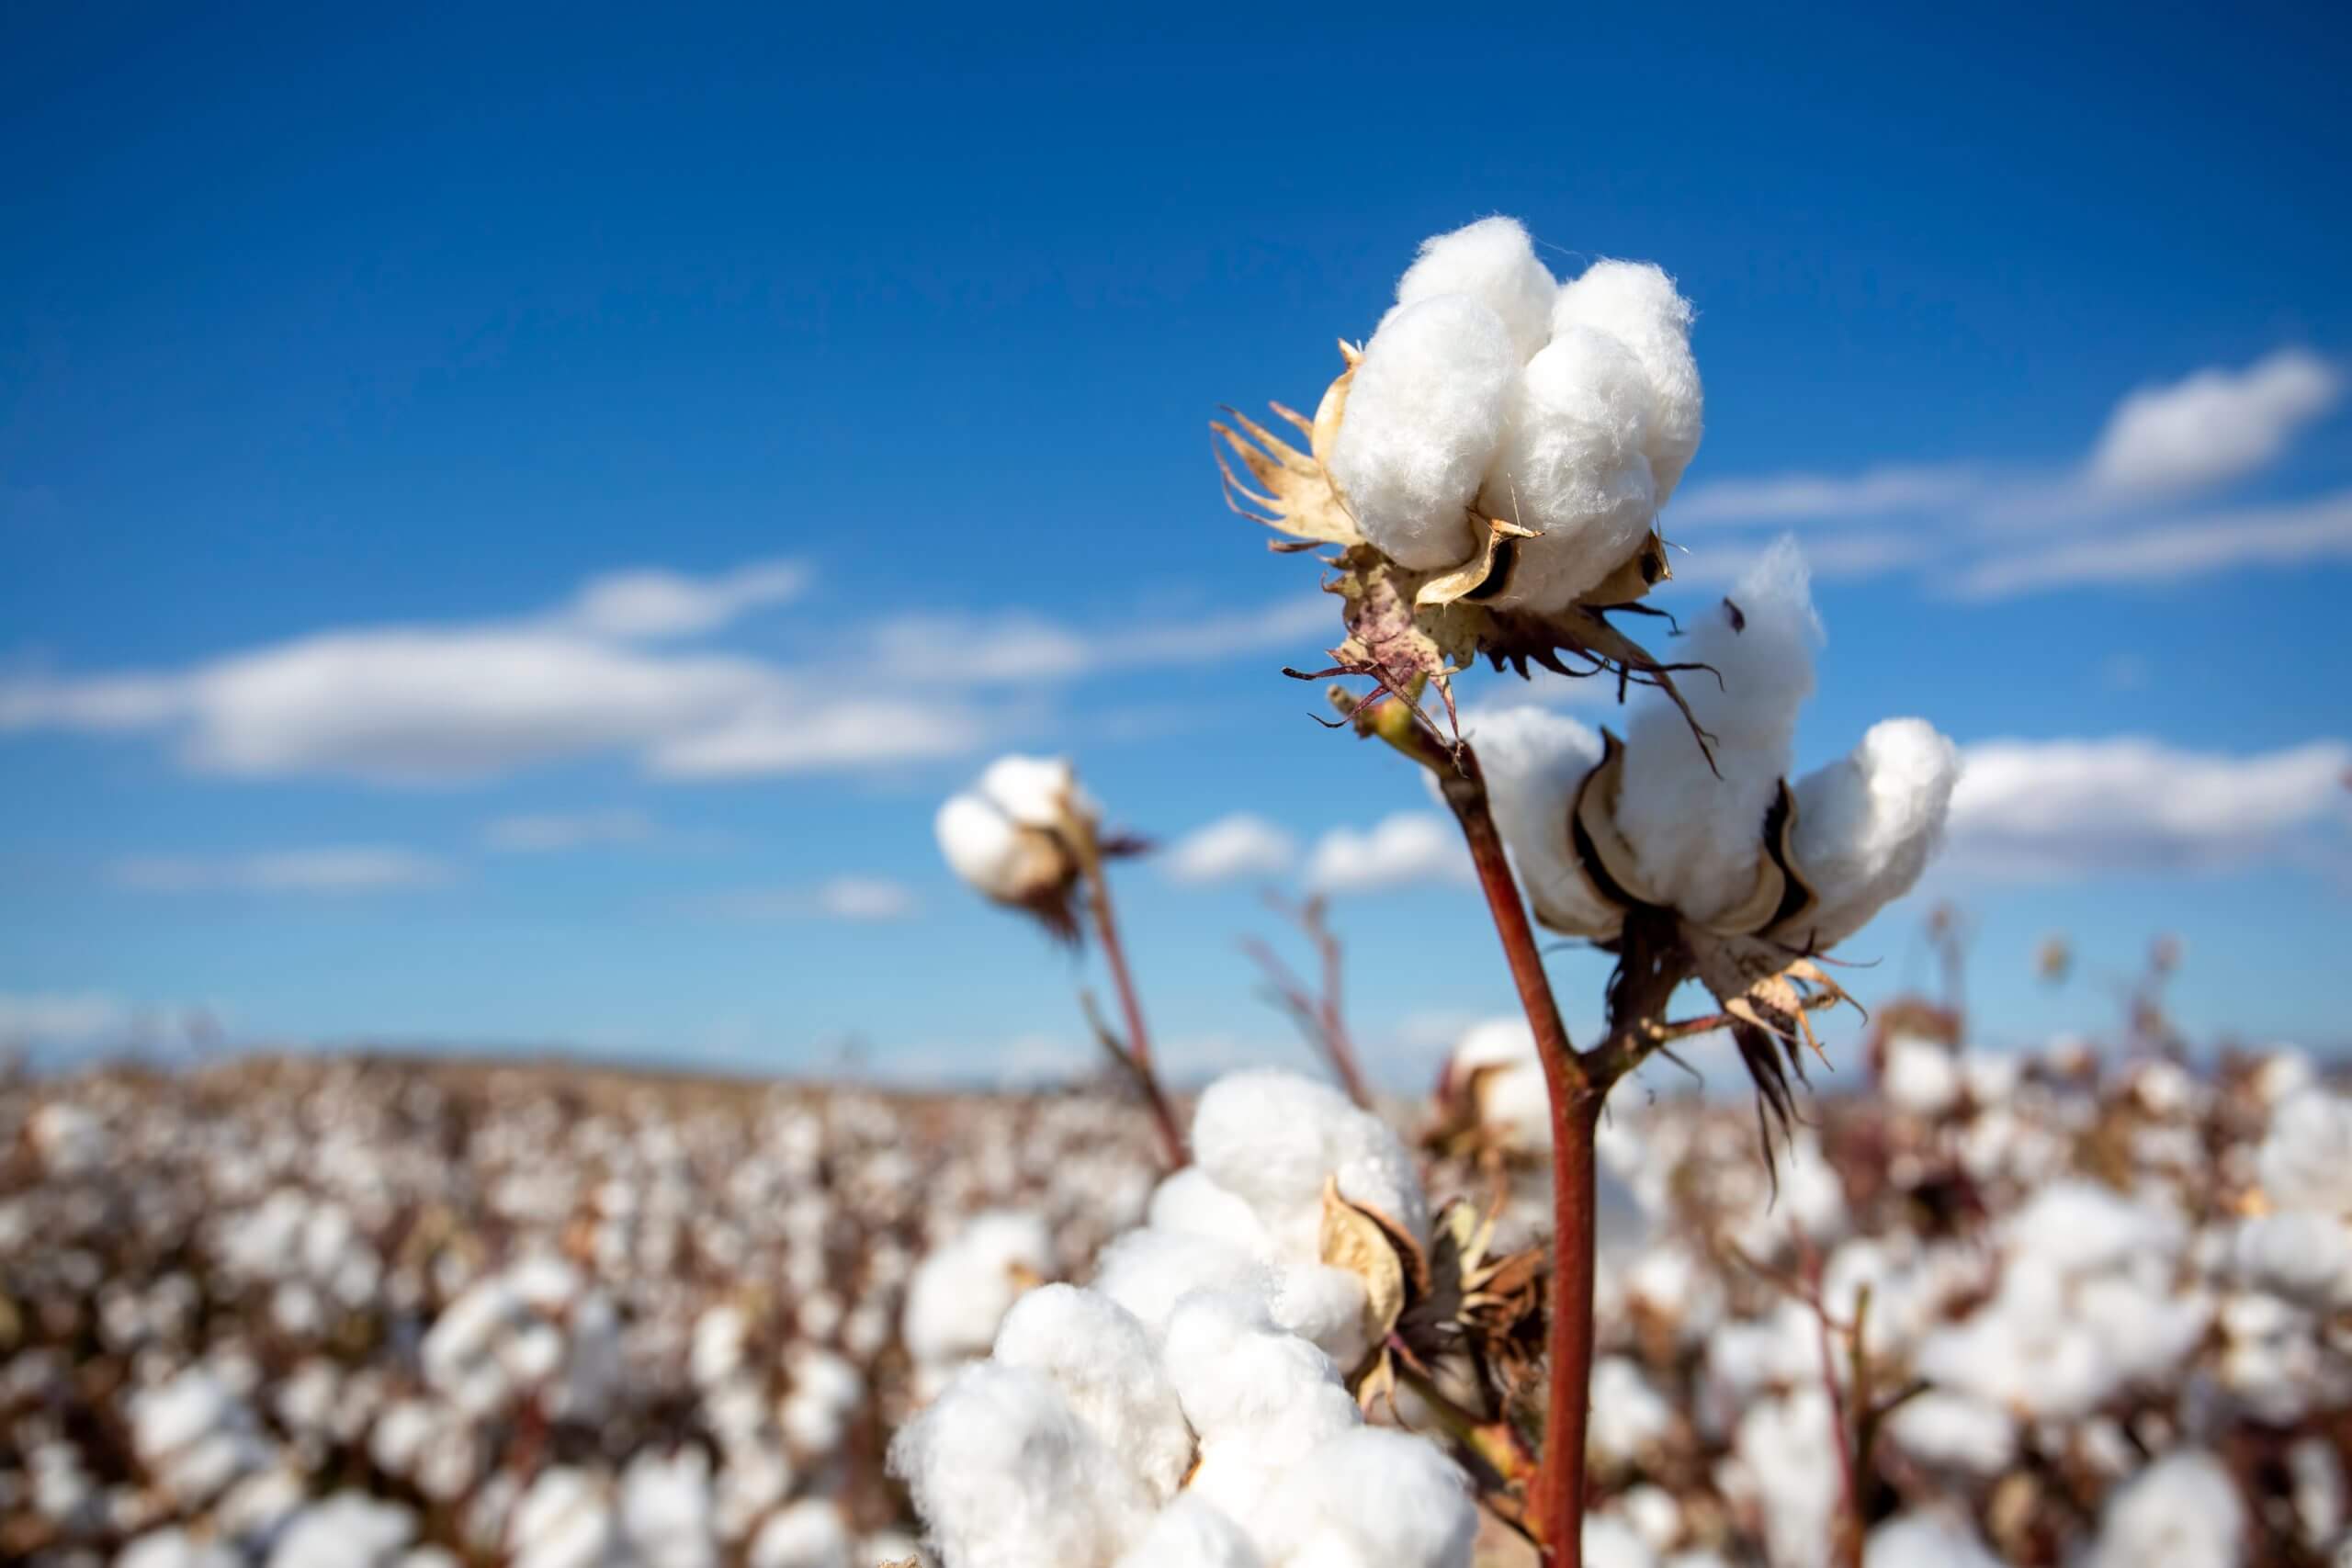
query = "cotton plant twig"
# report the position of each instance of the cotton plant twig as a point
(1139, 1071)
(1130, 1051)
(1319, 1016)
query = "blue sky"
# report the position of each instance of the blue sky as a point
(513, 520)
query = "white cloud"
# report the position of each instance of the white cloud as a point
(2216, 424)
(648, 603)
(1811, 498)
(353, 868)
(863, 899)
(544, 833)
(2279, 536)
(1018, 647)
(2037, 810)
(1401, 849)
(1227, 850)
(844, 733)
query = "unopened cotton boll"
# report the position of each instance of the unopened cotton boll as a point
(1190, 1533)
(2183, 1511)
(1493, 262)
(1373, 1498)
(1424, 417)
(1572, 465)
(1005, 1475)
(1534, 760)
(1102, 1360)
(1697, 830)
(1867, 824)
(1638, 304)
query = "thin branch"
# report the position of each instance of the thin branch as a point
(1140, 1074)
(1320, 1018)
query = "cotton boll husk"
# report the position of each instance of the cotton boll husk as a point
(1190, 1533)
(1192, 1203)
(1923, 1540)
(1638, 304)
(1374, 1498)
(806, 1534)
(1274, 1137)
(1572, 465)
(1697, 836)
(1493, 262)
(1424, 417)
(1102, 1360)
(1867, 824)
(1534, 760)
(1149, 1271)
(1005, 1475)
(1037, 791)
(2184, 1511)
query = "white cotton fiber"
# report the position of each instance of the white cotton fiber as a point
(1005, 1475)
(1924, 1541)
(1102, 1360)
(1534, 761)
(1272, 1138)
(1148, 1271)
(1373, 1498)
(1573, 466)
(1192, 1203)
(1638, 305)
(1493, 262)
(2183, 1511)
(1697, 836)
(1424, 416)
(1190, 1533)
(1867, 823)
(981, 845)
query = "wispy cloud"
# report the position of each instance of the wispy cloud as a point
(861, 900)
(338, 869)
(648, 603)
(1400, 850)
(2278, 536)
(1227, 850)
(1782, 498)
(2059, 810)
(551, 831)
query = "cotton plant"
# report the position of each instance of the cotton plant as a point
(1487, 474)
(1027, 837)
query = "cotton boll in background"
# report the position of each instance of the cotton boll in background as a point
(2184, 1511)
(1638, 304)
(1424, 417)
(1493, 262)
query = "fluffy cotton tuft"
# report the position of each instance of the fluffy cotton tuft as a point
(1697, 834)
(1192, 1534)
(1534, 761)
(1273, 1137)
(1638, 304)
(1374, 1499)
(1574, 466)
(1867, 824)
(1100, 1357)
(1424, 417)
(1005, 1475)
(1147, 1271)
(1493, 262)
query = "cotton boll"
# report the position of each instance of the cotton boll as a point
(1638, 304)
(1572, 465)
(1190, 1203)
(1630, 1417)
(1424, 417)
(1497, 1065)
(1102, 1360)
(1787, 1446)
(1493, 262)
(2183, 1511)
(1612, 1543)
(1534, 760)
(1234, 1369)
(985, 847)
(1373, 1498)
(1005, 1475)
(1190, 1533)
(1923, 1540)
(1948, 1430)
(666, 1510)
(1921, 1078)
(1867, 825)
(961, 1292)
(2302, 1256)
(1035, 791)
(175, 1548)
(2306, 1156)
(806, 1534)
(348, 1530)
(1697, 833)
(1149, 1271)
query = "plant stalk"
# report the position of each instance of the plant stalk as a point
(1136, 1051)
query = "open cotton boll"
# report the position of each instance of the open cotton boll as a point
(1923, 1540)
(666, 1509)
(1375, 1498)
(1493, 262)
(2302, 1256)
(1035, 791)
(1190, 1533)
(1954, 1431)
(2305, 1161)
(1100, 1357)
(1149, 1271)
(961, 1292)
(1572, 465)
(348, 1530)
(2183, 1511)
(563, 1521)
(1867, 823)
(1612, 1543)
(1921, 1077)
(175, 1548)
(983, 846)
(1192, 1203)
(806, 1534)
(1638, 304)
(1696, 832)
(1495, 1061)
(1424, 416)
(1274, 1137)
(1005, 1475)
(1534, 761)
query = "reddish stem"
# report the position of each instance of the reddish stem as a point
(1137, 1050)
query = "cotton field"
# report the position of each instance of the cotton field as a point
(2042, 1310)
